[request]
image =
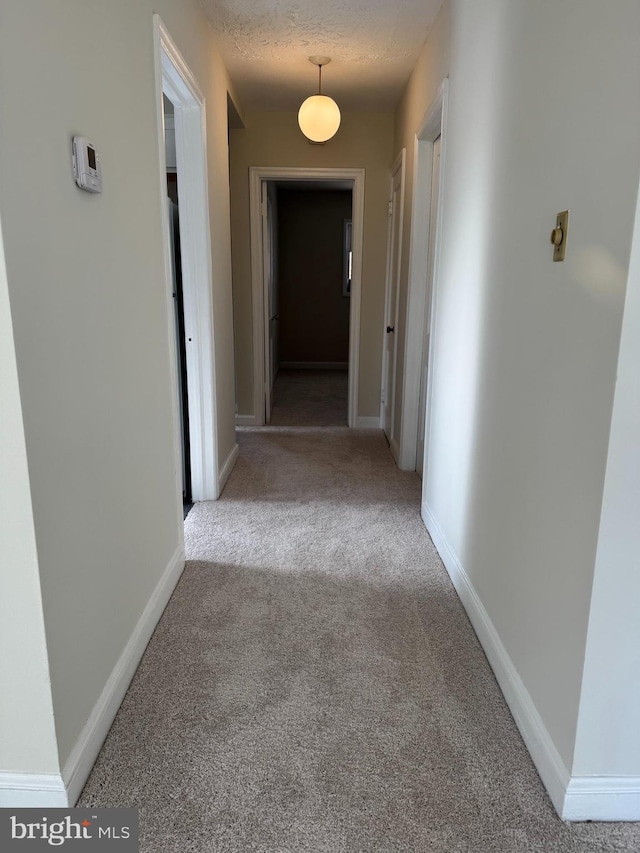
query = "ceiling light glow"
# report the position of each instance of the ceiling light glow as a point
(319, 115)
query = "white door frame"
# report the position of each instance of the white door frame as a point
(399, 165)
(174, 78)
(433, 124)
(258, 174)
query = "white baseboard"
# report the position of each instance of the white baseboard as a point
(367, 423)
(32, 791)
(546, 757)
(577, 798)
(394, 447)
(314, 365)
(246, 420)
(227, 468)
(87, 747)
(602, 798)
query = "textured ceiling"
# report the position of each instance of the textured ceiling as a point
(373, 45)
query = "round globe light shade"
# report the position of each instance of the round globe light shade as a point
(319, 118)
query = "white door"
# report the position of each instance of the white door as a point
(270, 295)
(424, 373)
(391, 301)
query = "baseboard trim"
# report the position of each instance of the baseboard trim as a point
(577, 798)
(543, 751)
(367, 423)
(604, 798)
(314, 365)
(394, 447)
(227, 468)
(32, 791)
(246, 420)
(84, 753)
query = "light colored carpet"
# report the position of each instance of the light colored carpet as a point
(310, 398)
(314, 685)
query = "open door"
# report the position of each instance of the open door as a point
(391, 303)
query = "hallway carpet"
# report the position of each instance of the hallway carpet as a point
(310, 398)
(314, 685)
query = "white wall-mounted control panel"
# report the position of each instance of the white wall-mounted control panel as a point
(86, 165)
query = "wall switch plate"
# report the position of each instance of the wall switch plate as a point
(559, 236)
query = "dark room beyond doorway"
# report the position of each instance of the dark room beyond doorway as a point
(314, 312)
(313, 305)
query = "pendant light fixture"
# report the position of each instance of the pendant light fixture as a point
(319, 115)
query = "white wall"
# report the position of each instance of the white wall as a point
(25, 698)
(525, 350)
(608, 741)
(90, 316)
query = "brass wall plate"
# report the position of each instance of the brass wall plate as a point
(559, 236)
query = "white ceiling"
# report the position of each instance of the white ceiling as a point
(373, 45)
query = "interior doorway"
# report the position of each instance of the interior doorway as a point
(185, 217)
(290, 320)
(173, 216)
(307, 272)
(424, 369)
(426, 227)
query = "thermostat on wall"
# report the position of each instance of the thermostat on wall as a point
(86, 165)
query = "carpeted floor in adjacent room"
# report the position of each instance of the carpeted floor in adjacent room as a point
(314, 685)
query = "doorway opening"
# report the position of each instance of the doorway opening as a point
(426, 228)
(306, 244)
(308, 266)
(173, 216)
(185, 216)
(426, 334)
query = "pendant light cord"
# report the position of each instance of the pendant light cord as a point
(319, 79)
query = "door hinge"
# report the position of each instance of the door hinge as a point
(391, 208)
